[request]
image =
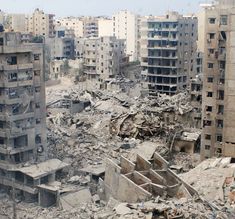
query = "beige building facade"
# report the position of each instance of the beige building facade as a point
(105, 27)
(18, 23)
(219, 81)
(103, 58)
(83, 26)
(41, 24)
(125, 26)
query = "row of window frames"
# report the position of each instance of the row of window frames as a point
(12, 60)
(220, 109)
(211, 80)
(211, 65)
(222, 36)
(219, 137)
(223, 20)
(219, 123)
(181, 25)
(220, 94)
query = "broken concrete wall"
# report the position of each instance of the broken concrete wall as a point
(47, 198)
(120, 187)
(184, 146)
(144, 180)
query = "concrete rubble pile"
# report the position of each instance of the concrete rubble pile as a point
(115, 146)
(144, 189)
(214, 180)
(157, 117)
(98, 130)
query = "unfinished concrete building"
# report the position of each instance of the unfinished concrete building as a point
(219, 81)
(23, 138)
(168, 53)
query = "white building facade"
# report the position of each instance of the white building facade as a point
(125, 26)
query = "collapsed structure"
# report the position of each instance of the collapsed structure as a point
(140, 181)
(23, 138)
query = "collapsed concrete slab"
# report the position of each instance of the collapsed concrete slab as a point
(71, 201)
(187, 141)
(141, 180)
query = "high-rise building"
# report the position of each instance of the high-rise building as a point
(90, 27)
(168, 53)
(23, 139)
(2, 17)
(105, 27)
(41, 24)
(219, 81)
(72, 23)
(125, 26)
(104, 58)
(82, 26)
(62, 45)
(18, 22)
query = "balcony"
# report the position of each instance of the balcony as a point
(9, 118)
(6, 99)
(90, 64)
(163, 57)
(162, 47)
(10, 132)
(161, 66)
(90, 72)
(160, 29)
(161, 38)
(15, 49)
(11, 84)
(170, 85)
(16, 67)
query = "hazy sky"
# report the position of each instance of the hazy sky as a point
(99, 7)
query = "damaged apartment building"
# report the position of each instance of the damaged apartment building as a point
(23, 140)
(219, 81)
(104, 59)
(196, 84)
(168, 53)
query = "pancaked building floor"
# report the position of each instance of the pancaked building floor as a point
(144, 179)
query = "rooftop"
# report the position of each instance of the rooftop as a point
(44, 168)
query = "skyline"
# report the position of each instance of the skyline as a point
(96, 7)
